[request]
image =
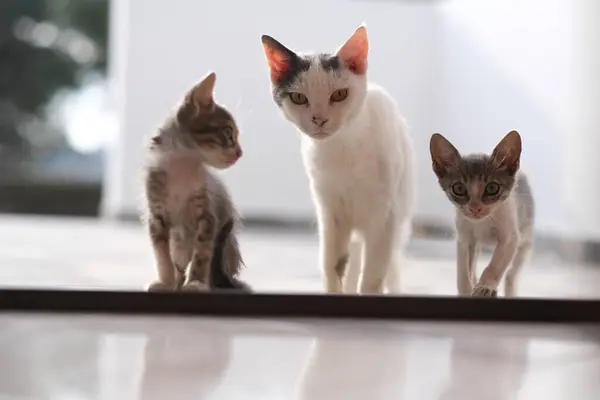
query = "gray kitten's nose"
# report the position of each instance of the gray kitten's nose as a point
(319, 121)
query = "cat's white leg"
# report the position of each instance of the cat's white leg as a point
(392, 279)
(377, 257)
(393, 283)
(159, 235)
(512, 274)
(493, 273)
(353, 268)
(466, 265)
(334, 238)
(181, 254)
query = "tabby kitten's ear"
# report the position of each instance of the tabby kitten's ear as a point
(279, 57)
(507, 154)
(355, 51)
(443, 154)
(199, 99)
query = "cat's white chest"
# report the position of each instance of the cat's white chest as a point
(350, 175)
(486, 233)
(185, 178)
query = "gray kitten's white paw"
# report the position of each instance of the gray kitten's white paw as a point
(482, 291)
(195, 287)
(158, 286)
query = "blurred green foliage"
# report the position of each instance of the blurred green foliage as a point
(45, 46)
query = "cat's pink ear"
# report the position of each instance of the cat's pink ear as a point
(507, 153)
(443, 154)
(354, 53)
(279, 57)
(201, 94)
(198, 100)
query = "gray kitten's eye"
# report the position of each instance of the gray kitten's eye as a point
(298, 98)
(459, 190)
(492, 189)
(339, 95)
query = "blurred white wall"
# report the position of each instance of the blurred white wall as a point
(470, 69)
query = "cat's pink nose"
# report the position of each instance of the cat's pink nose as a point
(476, 209)
(319, 121)
(238, 152)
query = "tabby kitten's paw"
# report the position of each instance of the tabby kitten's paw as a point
(194, 287)
(158, 286)
(482, 291)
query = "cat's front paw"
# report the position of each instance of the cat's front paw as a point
(194, 287)
(158, 286)
(483, 291)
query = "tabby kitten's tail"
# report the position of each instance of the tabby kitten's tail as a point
(219, 279)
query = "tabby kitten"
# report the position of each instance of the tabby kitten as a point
(494, 205)
(190, 214)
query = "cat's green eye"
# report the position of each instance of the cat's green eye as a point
(492, 189)
(339, 95)
(298, 98)
(459, 189)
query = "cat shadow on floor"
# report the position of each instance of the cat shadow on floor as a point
(486, 367)
(184, 365)
(345, 366)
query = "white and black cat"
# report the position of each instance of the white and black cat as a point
(494, 205)
(358, 156)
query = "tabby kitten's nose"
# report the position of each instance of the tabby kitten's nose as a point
(319, 121)
(238, 152)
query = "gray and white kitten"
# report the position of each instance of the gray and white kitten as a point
(190, 215)
(494, 205)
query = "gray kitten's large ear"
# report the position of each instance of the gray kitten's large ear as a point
(199, 99)
(201, 94)
(443, 154)
(279, 57)
(507, 154)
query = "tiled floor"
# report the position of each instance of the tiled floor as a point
(82, 253)
(131, 358)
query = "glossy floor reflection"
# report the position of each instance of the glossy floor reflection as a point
(142, 358)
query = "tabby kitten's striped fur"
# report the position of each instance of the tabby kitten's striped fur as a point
(190, 214)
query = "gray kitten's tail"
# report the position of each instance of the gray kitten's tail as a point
(219, 278)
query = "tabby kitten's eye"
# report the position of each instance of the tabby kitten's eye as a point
(228, 130)
(298, 98)
(492, 189)
(459, 190)
(339, 95)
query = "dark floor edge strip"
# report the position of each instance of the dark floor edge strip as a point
(302, 306)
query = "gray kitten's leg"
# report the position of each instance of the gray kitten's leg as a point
(493, 273)
(378, 257)
(181, 253)
(159, 235)
(466, 264)
(197, 274)
(512, 274)
(334, 239)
